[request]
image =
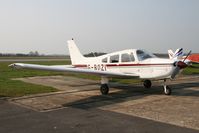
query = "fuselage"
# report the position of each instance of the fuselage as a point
(132, 61)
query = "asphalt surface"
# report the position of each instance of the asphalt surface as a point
(16, 119)
(79, 107)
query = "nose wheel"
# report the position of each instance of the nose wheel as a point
(167, 89)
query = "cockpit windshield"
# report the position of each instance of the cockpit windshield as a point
(142, 55)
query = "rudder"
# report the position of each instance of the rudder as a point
(75, 55)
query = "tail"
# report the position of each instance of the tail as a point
(178, 53)
(75, 55)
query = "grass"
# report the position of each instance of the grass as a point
(192, 70)
(15, 88)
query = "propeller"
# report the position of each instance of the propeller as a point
(187, 55)
(179, 65)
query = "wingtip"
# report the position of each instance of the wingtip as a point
(12, 65)
(16, 65)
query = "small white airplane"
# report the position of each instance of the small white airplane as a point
(131, 63)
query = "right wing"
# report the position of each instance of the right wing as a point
(70, 68)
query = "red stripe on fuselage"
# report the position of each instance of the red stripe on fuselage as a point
(115, 65)
(136, 64)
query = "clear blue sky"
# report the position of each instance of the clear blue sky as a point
(98, 25)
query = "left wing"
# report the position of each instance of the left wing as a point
(70, 68)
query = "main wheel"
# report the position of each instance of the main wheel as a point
(147, 83)
(104, 89)
(167, 90)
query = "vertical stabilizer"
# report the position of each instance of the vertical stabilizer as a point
(75, 55)
(177, 55)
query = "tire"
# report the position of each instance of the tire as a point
(104, 89)
(167, 90)
(147, 83)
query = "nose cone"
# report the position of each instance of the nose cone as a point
(181, 65)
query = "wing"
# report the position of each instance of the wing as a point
(70, 68)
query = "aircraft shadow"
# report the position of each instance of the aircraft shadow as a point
(181, 89)
(81, 85)
(131, 92)
(124, 93)
(2, 96)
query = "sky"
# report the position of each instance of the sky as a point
(98, 25)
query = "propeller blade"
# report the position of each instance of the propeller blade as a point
(175, 72)
(187, 56)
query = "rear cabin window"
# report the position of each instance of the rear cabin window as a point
(127, 57)
(114, 59)
(105, 60)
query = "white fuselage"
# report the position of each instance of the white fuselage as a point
(130, 61)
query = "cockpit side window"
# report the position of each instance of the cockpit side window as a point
(125, 58)
(105, 60)
(114, 59)
(142, 55)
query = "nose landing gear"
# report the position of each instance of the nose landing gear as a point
(167, 89)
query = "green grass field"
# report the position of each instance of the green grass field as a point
(194, 69)
(15, 88)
